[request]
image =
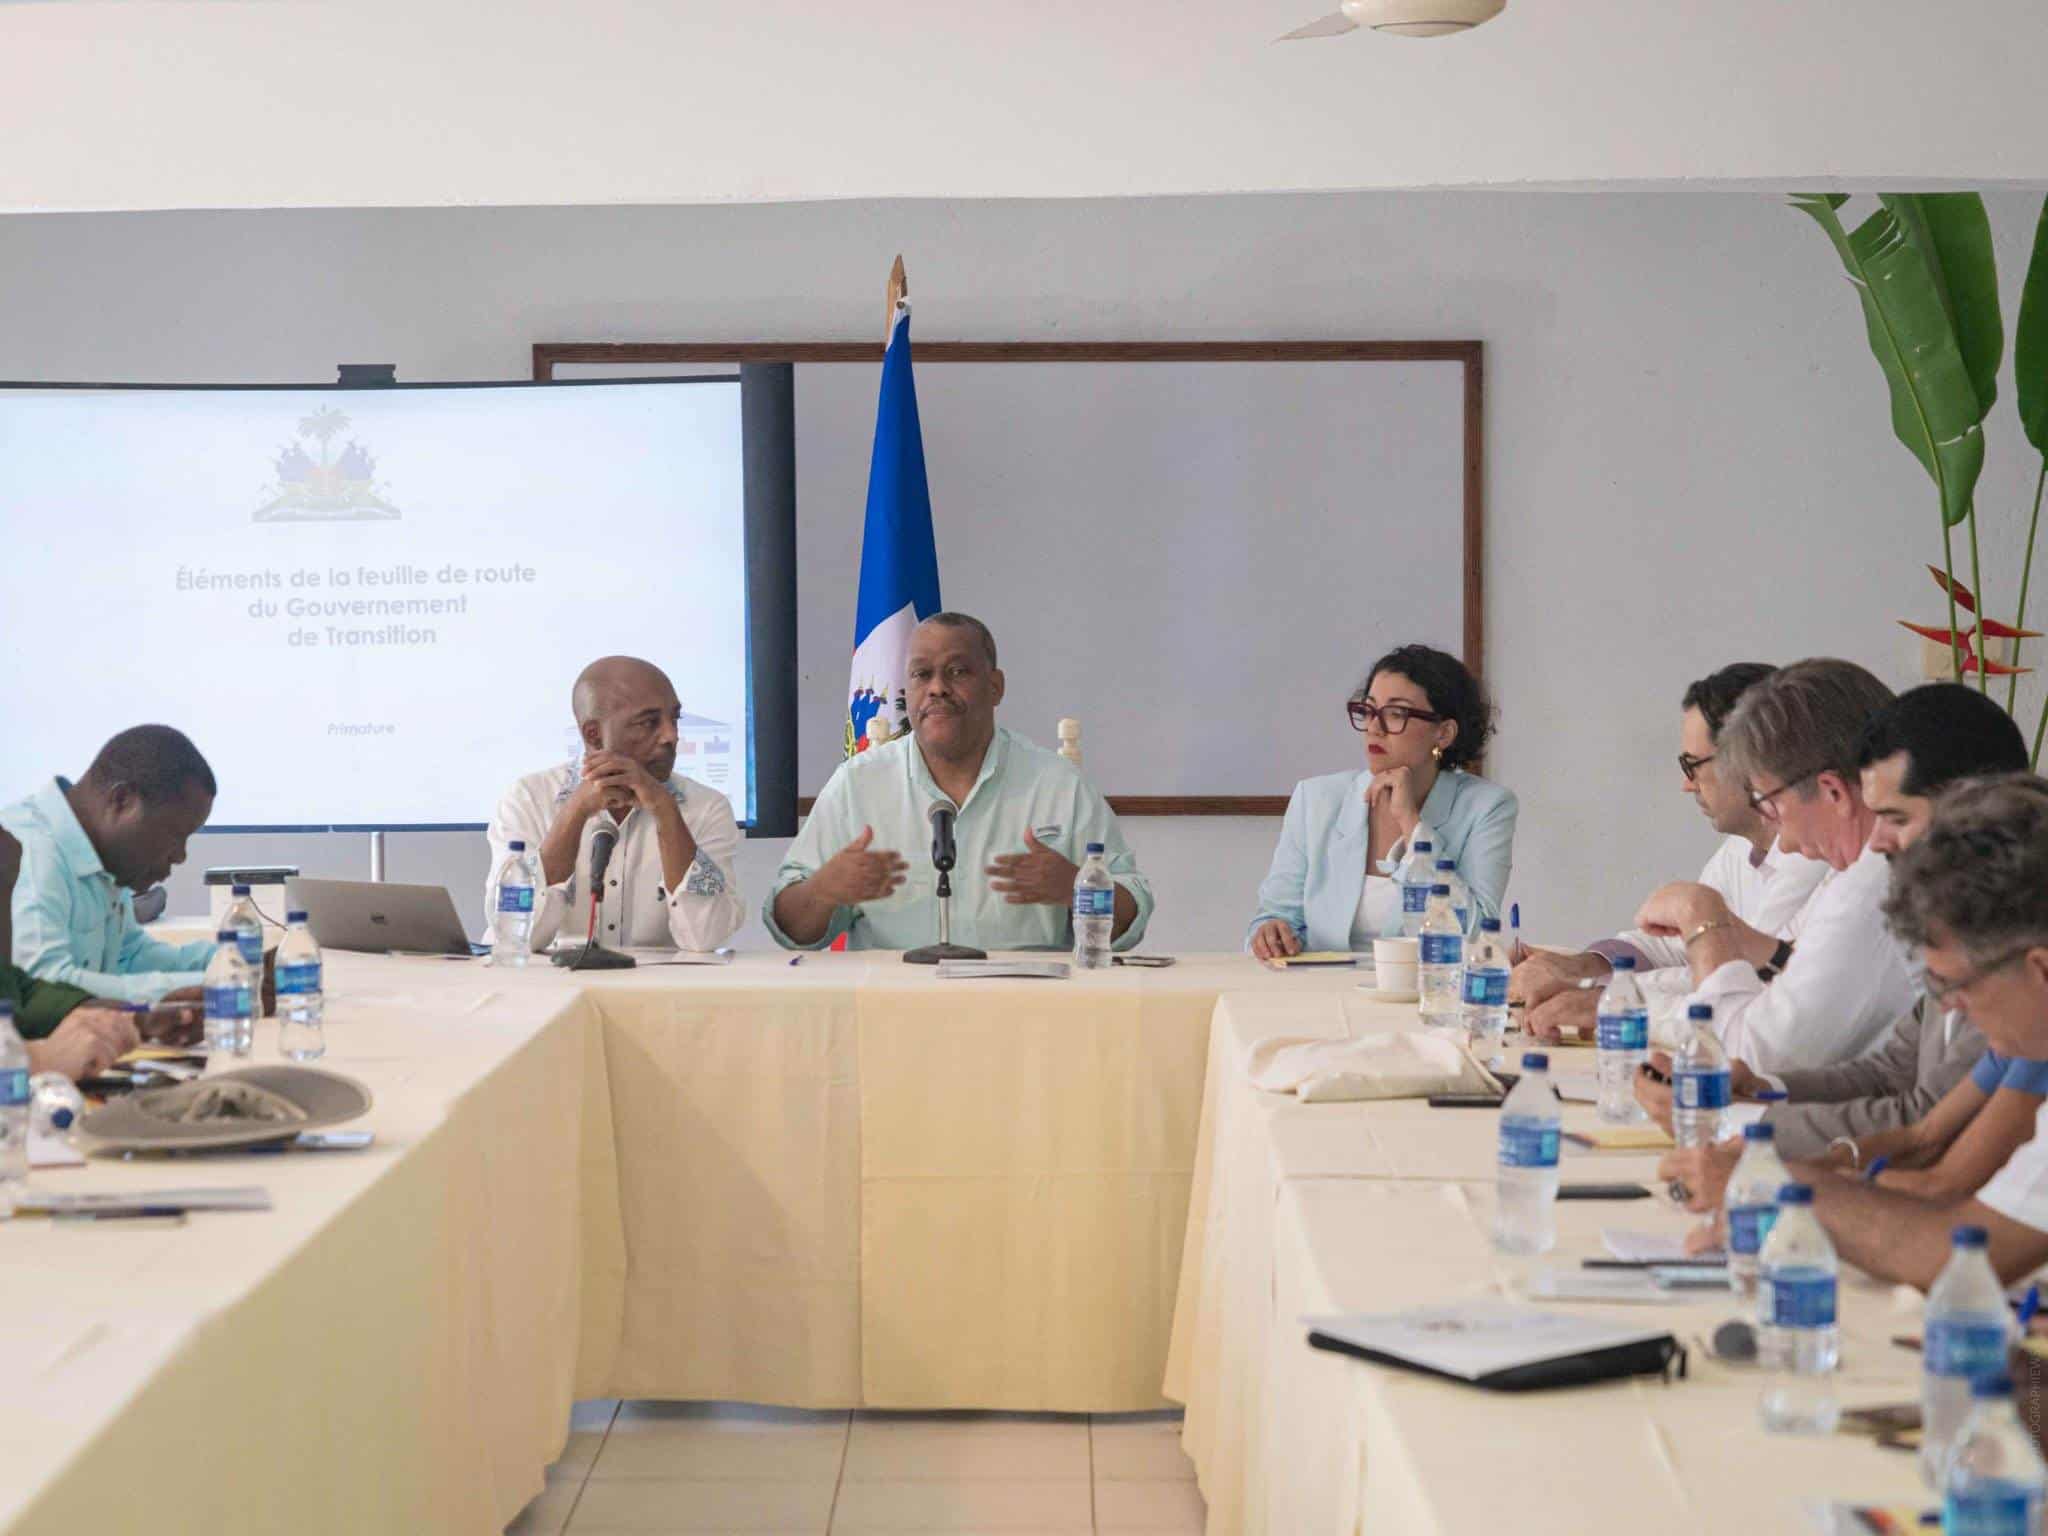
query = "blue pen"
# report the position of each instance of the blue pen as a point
(796, 959)
(1514, 927)
(1877, 1166)
(2029, 1305)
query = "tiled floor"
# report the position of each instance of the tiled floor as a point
(720, 1467)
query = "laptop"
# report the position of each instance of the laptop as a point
(378, 918)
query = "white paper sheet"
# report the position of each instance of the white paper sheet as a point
(1651, 1247)
(53, 1152)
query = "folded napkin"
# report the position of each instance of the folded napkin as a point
(1382, 1066)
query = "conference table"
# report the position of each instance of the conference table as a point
(1308, 1210)
(834, 1183)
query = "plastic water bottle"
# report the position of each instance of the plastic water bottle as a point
(246, 924)
(1417, 877)
(55, 1105)
(518, 885)
(1622, 1034)
(1995, 1477)
(1700, 1085)
(1968, 1329)
(1442, 955)
(1094, 911)
(301, 994)
(1525, 1199)
(1483, 987)
(230, 987)
(1800, 1344)
(1461, 893)
(1752, 1206)
(14, 1094)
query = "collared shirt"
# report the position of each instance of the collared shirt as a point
(1021, 785)
(636, 909)
(1767, 893)
(2019, 1190)
(73, 923)
(1847, 981)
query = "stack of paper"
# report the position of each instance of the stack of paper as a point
(1034, 970)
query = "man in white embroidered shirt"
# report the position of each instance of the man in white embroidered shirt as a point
(670, 883)
(1841, 978)
(1763, 884)
(1019, 807)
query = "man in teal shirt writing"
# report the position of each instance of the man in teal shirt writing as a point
(87, 847)
(1025, 817)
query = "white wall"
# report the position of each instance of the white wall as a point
(460, 103)
(1689, 460)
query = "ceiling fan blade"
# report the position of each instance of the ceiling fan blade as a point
(1336, 24)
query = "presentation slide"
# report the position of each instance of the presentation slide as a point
(367, 607)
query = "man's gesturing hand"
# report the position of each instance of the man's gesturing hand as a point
(617, 783)
(858, 872)
(1037, 877)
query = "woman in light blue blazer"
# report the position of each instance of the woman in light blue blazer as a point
(1331, 887)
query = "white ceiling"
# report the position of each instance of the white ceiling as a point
(136, 104)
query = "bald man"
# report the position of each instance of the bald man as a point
(670, 884)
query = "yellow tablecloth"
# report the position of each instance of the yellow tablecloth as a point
(1311, 1209)
(833, 1184)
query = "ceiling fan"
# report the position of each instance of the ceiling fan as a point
(1402, 18)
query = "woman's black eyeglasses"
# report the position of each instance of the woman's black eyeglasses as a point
(1393, 719)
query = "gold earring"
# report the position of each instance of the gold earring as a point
(1437, 753)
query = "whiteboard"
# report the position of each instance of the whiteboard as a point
(1197, 559)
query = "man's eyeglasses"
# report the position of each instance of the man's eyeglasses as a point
(1393, 719)
(1764, 804)
(1690, 766)
(1941, 991)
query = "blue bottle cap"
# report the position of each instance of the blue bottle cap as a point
(1535, 1061)
(6, 1009)
(1701, 1011)
(1489, 925)
(1439, 890)
(1997, 1384)
(1623, 962)
(1758, 1131)
(227, 936)
(1425, 846)
(1970, 1237)
(517, 846)
(1095, 847)
(295, 915)
(1796, 1194)
(1446, 864)
(238, 890)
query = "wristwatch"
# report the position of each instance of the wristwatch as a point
(1771, 967)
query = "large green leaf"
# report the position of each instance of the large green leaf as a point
(1936, 411)
(1954, 233)
(2030, 343)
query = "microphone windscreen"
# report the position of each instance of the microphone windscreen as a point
(601, 847)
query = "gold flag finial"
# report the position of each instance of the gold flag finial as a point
(899, 287)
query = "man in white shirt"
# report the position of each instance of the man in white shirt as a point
(1972, 897)
(670, 882)
(1763, 885)
(1828, 987)
(1024, 819)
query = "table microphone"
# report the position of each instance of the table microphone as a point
(943, 816)
(591, 955)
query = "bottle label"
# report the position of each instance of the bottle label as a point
(1748, 1226)
(1527, 1143)
(14, 1088)
(1968, 1347)
(1485, 988)
(295, 979)
(1703, 1090)
(1799, 1301)
(1415, 898)
(251, 946)
(1994, 1507)
(515, 898)
(1442, 949)
(229, 1003)
(1094, 901)
(1624, 1031)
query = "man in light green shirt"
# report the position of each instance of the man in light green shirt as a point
(861, 866)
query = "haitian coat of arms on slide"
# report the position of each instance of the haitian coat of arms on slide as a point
(335, 488)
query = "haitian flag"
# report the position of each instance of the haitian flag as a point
(899, 562)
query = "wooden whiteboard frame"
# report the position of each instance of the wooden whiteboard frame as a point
(547, 355)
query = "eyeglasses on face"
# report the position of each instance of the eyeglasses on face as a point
(1765, 804)
(1940, 990)
(1690, 766)
(1393, 719)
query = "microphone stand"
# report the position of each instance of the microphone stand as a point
(943, 859)
(591, 955)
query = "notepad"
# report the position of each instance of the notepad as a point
(1030, 970)
(1636, 1247)
(1622, 1138)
